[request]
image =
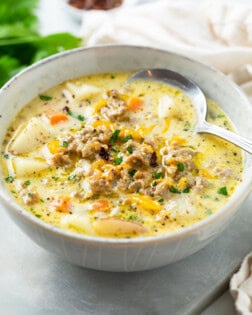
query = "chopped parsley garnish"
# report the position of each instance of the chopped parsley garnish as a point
(177, 191)
(38, 215)
(180, 166)
(174, 190)
(132, 173)
(208, 212)
(81, 117)
(161, 200)
(9, 179)
(186, 190)
(55, 178)
(27, 182)
(223, 191)
(75, 115)
(6, 156)
(113, 149)
(127, 138)
(159, 175)
(114, 136)
(154, 184)
(187, 126)
(45, 98)
(130, 149)
(134, 217)
(118, 160)
(72, 177)
(64, 144)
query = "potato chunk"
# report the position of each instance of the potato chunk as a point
(164, 106)
(26, 166)
(80, 223)
(82, 91)
(29, 137)
(118, 227)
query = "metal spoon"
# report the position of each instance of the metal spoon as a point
(199, 101)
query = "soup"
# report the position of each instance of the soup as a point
(100, 157)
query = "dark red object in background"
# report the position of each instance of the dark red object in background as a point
(95, 4)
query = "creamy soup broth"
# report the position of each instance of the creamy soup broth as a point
(101, 157)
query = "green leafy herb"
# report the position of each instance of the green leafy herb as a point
(27, 183)
(118, 160)
(45, 98)
(186, 190)
(187, 126)
(161, 200)
(6, 156)
(174, 190)
(127, 138)
(177, 191)
(113, 149)
(76, 116)
(9, 179)
(134, 217)
(132, 173)
(72, 177)
(38, 215)
(180, 167)
(154, 184)
(159, 175)
(130, 149)
(64, 144)
(55, 178)
(208, 212)
(114, 136)
(223, 191)
(20, 43)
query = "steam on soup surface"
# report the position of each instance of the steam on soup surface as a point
(99, 157)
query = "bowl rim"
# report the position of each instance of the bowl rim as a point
(236, 199)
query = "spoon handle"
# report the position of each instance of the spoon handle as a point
(241, 142)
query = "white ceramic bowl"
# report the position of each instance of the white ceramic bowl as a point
(124, 254)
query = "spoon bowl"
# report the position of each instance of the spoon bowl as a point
(198, 98)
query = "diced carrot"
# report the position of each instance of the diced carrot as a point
(134, 103)
(56, 118)
(61, 204)
(101, 205)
